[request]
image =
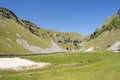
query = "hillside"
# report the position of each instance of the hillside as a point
(21, 36)
(69, 41)
(106, 38)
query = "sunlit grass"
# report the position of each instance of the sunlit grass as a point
(96, 66)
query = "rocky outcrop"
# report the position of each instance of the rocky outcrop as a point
(4, 12)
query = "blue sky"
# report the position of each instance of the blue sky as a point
(80, 16)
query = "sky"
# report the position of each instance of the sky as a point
(79, 16)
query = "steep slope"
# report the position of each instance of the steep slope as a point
(106, 38)
(11, 31)
(69, 41)
(22, 36)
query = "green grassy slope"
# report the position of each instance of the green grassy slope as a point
(106, 35)
(10, 31)
(71, 66)
(13, 28)
(65, 40)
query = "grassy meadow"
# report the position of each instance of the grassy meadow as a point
(70, 66)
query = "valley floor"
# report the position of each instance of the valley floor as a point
(70, 66)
